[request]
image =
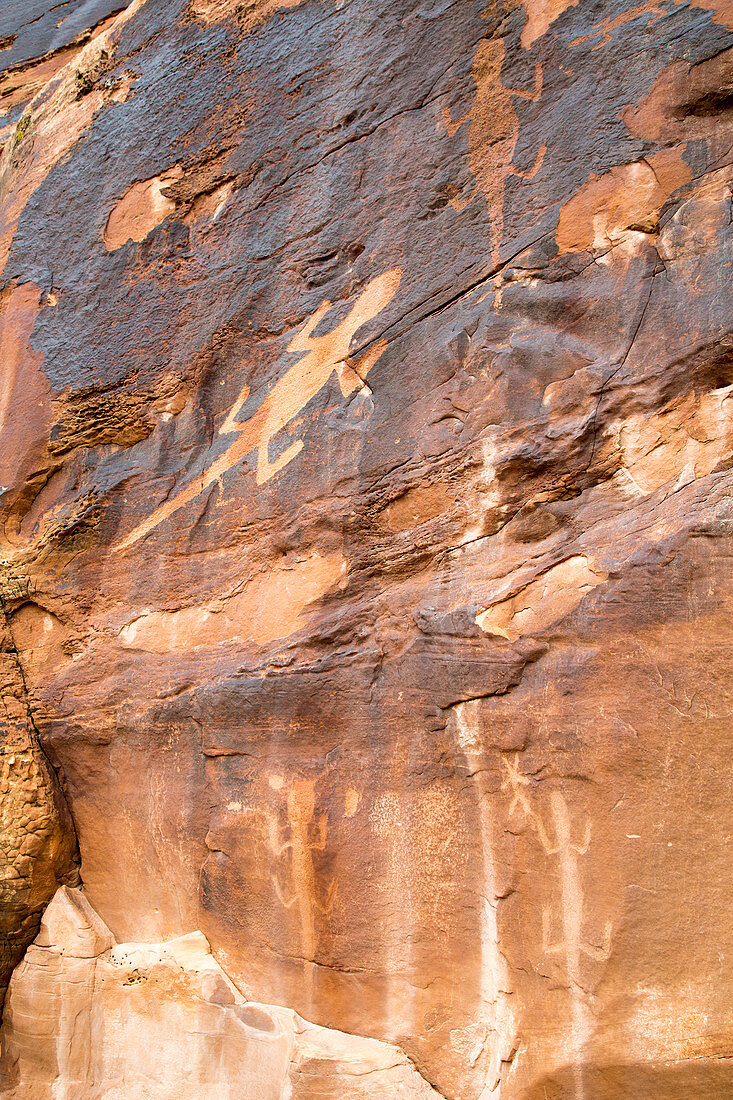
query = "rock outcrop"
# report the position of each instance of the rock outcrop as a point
(89, 1017)
(37, 841)
(366, 467)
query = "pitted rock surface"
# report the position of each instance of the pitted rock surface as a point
(37, 841)
(367, 441)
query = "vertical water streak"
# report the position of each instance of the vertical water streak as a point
(495, 1011)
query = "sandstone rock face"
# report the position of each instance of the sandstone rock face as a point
(37, 841)
(86, 1016)
(367, 436)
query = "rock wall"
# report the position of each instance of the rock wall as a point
(38, 849)
(138, 1020)
(366, 413)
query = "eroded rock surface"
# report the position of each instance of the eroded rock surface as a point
(37, 840)
(86, 1016)
(367, 424)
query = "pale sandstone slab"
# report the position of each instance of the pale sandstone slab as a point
(88, 1017)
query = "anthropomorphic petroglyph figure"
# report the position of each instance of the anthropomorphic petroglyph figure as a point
(290, 394)
(567, 850)
(492, 135)
(305, 836)
(572, 943)
(560, 840)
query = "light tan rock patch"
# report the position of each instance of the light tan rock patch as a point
(256, 11)
(269, 607)
(540, 15)
(164, 1021)
(629, 197)
(543, 602)
(685, 442)
(140, 210)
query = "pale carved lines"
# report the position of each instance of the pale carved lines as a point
(515, 781)
(561, 841)
(566, 849)
(293, 845)
(321, 356)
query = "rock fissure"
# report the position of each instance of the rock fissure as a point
(607, 381)
(38, 843)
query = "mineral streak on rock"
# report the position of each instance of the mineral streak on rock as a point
(367, 452)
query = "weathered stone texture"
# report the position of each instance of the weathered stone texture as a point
(367, 413)
(136, 1020)
(37, 841)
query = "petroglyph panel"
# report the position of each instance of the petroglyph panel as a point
(365, 539)
(493, 130)
(321, 357)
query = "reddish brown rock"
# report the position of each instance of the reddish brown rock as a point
(37, 841)
(368, 413)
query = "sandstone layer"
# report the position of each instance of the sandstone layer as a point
(366, 466)
(138, 1020)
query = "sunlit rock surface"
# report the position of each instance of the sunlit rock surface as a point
(86, 1016)
(366, 525)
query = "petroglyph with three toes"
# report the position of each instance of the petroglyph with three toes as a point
(304, 835)
(561, 841)
(324, 355)
(567, 850)
(572, 944)
(492, 135)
